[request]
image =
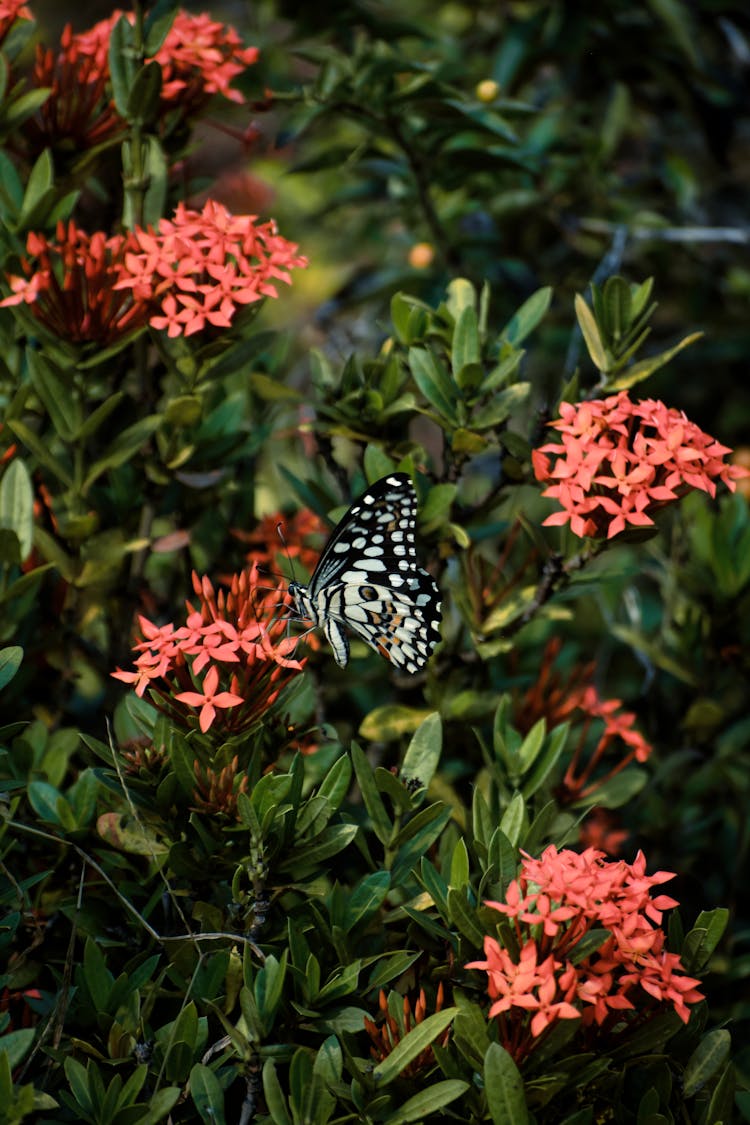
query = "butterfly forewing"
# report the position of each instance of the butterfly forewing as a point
(368, 580)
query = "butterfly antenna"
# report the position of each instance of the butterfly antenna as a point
(285, 545)
(280, 533)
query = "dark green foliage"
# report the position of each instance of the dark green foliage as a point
(200, 924)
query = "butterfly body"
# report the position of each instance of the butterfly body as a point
(367, 580)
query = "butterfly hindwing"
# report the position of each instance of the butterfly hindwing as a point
(368, 580)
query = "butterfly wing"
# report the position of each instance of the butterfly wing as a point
(368, 579)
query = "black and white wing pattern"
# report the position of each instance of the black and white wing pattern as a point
(367, 580)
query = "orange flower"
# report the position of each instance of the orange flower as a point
(574, 699)
(69, 282)
(10, 11)
(193, 273)
(619, 461)
(199, 267)
(199, 57)
(555, 902)
(228, 662)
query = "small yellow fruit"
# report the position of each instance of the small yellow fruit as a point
(487, 90)
(421, 255)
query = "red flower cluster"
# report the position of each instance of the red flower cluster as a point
(70, 284)
(553, 904)
(228, 662)
(79, 112)
(202, 265)
(388, 1034)
(619, 461)
(575, 699)
(199, 57)
(195, 270)
(10, 11)
(266, 546)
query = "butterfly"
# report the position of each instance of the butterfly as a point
(367, 580)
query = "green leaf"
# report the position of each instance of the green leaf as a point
(40, 450)
(17, 505)
(144, 93)
(721, 1108)
(57, 395)
(390, 721)
(38, 188)
(423, 754)
(160, 1105)
(330, 842)
(591, 334)
(434, 382)
(381, 822)
(156, 169)
(710, 925)
(646, 367)
(78, 1080)
(366, 898)
(501, 406)
(617, 308)
(432, 821)
(335, 784)
(525, 319)
(504, 1089)
(618, 790)
(10, 662)
(390, 968)
(124, 446)
(26, 105)
(529, 749)
(513, 819)
(463, 917)
(275, 1100)
(157, 24)
(461, 295)
(546, 761)
(710, 1054)
(48, 803)
(412, 1045)
(459, 871)
(121, 63)
(428, 1101)
(269, 988)
(207, 1095)
(98, 978)
(16, 1044)
(466, 355)
(99, 416)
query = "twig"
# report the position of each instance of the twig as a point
(157, 937)
(737, 235)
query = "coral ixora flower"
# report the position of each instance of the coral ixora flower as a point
(226, 665)
(69, 283)
(554, 903)
(199, 57)
(10, 11)
(193, 272)
(619, 461)
(200, 266)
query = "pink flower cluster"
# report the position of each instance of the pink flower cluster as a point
(554, 903)
(225, 665)
(619, 461)
(10, 11)
(69, 283)
(202, 265)
(199, 57)
(193, 272)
